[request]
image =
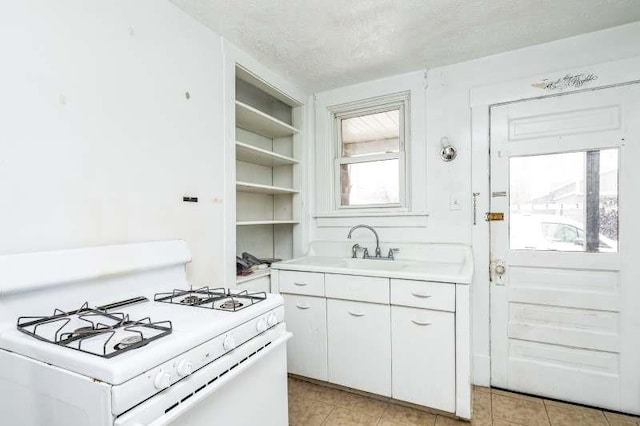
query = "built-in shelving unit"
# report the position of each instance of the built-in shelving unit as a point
(267, 153)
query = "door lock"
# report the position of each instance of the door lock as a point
(499, 270)
(493, 216)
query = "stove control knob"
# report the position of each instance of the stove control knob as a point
(184, 368)
(229, 343)
(272, 319)
(162, 380)
(261, 325)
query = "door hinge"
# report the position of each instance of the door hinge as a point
(493, 216)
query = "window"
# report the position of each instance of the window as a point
(370, 163)
(565, 202)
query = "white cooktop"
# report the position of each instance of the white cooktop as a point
(191, 325)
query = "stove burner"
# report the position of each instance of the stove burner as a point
(193, 300)
(128, 341)
(92, 330)
(215, 298)
(231, 305)
(83, 330)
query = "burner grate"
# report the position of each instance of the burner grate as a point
(94, 331)
(218, 298)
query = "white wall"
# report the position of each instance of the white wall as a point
(448, 113)
(98, 142)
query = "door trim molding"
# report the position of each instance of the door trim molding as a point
(609, 74)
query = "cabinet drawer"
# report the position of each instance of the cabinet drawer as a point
(423, 294)
(352, 287)
(309, 283)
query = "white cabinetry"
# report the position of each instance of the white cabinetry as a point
(359, 349)
(388, 336)
(423, 357)
(307, 350)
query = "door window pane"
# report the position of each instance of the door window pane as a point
(377, 133)
(370, 183)
(564, 202)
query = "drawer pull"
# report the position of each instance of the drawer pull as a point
(302, 306)
(301, 284)
(420, 295)
(421, 323)
(356, 314)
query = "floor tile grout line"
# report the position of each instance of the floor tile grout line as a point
(546, 411)
(324, 422)
(490, 406)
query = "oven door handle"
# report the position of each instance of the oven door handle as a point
(185, 406)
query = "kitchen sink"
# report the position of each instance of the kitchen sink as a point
(375, 264)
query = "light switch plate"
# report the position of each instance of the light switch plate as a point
(455, 201)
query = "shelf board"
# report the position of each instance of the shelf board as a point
(266, 222)
(253, 120)
(257, 274)
(251, 154)
(263, 189)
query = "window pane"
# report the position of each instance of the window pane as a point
(370, 183)
(371, 134)
(565, 202)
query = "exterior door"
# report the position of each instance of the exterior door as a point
(565, 261)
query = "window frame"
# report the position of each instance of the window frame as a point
(400, 102)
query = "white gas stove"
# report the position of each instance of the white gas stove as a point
(115, 336)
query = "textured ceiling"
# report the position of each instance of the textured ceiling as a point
(322, 44)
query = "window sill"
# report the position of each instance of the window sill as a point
(390, 219)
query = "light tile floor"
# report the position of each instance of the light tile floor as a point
(311, 405)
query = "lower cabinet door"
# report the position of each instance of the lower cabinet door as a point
(306, 318)
(423, 356)
(359, 338)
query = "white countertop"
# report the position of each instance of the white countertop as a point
(452, 263)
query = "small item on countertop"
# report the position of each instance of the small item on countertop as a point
(250, 259)
(269, 260)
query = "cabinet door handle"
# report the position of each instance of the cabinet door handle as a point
(356, 314)
(421, 323)
(300, 284)
(420, 295)
(302, 306)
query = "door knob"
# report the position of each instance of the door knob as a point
(499, 270)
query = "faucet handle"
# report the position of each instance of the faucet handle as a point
(392, 251)
(365, 253)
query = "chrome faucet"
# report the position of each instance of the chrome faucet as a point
(378, 252)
